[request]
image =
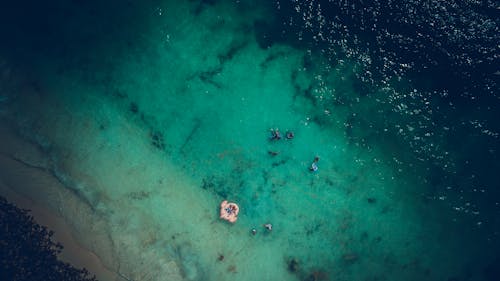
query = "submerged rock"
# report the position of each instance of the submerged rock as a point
(293, 265)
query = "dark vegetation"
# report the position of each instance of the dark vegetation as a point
(27, 251)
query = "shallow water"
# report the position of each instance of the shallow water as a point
(152, 114)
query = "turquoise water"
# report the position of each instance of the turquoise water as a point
(155, 113)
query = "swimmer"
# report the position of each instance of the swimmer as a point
(290, 135)
(314, 166)
(268, 226)
(254, 231)
(275, 134)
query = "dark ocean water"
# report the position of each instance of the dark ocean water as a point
(425, 76)
(440, 60)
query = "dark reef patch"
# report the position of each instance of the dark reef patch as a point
(233, 49)
(192, 133)
(209, 76)
(157, 140)
(292, 265)
(271, 58)
(119, 94)
(216, 185)
(313, 228)
(279, 163)
(133, 107)
(139, 195)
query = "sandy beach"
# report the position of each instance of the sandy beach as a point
(16, 178)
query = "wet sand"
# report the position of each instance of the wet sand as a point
(13, 174)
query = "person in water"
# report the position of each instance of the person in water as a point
(290, 135)
(275, 134)
(314, 166)
(230, 209)
(268, 226)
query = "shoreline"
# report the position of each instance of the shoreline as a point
(73, 252)
(14, 173)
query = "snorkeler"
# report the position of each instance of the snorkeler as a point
(275, 134)
(314, 166)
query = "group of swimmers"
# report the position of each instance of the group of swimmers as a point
(229, 211)
(267, 226)
(276, 135)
